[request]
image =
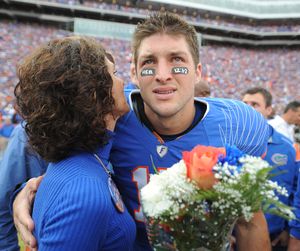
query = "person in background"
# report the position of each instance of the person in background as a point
(70, 98)
(7, 127)
(286, 122)
(5, 132)
(202, 89)
(1, 117)
(281, 155)
(297, 141)
(165, 119)
(16, 118)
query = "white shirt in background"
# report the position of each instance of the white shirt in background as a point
(281, 126)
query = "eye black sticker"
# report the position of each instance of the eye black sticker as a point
(180, 70)
(148, 72)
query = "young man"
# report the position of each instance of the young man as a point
(165, 120)
(202, 89)
(285, 123)
(281, 154)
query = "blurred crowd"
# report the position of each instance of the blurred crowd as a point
(195, 17)
(229, 70)
(16, 40)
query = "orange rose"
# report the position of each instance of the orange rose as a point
(200, 162)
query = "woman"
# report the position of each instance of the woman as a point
(70, 97)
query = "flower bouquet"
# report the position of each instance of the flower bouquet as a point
(194, 204)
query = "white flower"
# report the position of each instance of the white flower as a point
(170, 192)
(247, 212)
(167, 192)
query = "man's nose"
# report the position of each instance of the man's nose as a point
(163, 72)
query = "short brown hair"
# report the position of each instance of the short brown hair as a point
(264, 92)
(294, 105)
(169, 23)
(64, 94)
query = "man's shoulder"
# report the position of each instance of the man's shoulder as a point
(277, 120)
(225, 104)
(236, 124)
(230, 110)
(280, 144)
(278, 138)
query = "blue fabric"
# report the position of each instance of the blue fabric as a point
(281, 155)
(225, 122)
(17, 165)
(295, 224)
(6, 130)
(73, 208)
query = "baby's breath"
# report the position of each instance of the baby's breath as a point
(203, 217)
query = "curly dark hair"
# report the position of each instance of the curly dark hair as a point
(64, 94)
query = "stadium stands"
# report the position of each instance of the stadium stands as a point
(197, 17)
(229, 69)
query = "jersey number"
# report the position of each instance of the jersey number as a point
(140, 177)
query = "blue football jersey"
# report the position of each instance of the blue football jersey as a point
(136, 149)
(282, 156)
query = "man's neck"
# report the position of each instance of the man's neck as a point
(171, 125)
(285, 117)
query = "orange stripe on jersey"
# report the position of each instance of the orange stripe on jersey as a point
(158, 137)
(264, 155)
(297, 148)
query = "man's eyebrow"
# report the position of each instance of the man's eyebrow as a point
(146, 56)
(178, 53)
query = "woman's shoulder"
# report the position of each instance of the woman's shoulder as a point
(83, 164)
(76, 176)
(80, 190)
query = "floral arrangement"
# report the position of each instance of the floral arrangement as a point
(194, 204)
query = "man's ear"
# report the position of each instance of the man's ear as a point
(133, 74)
(269, 110)
(198, 72)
